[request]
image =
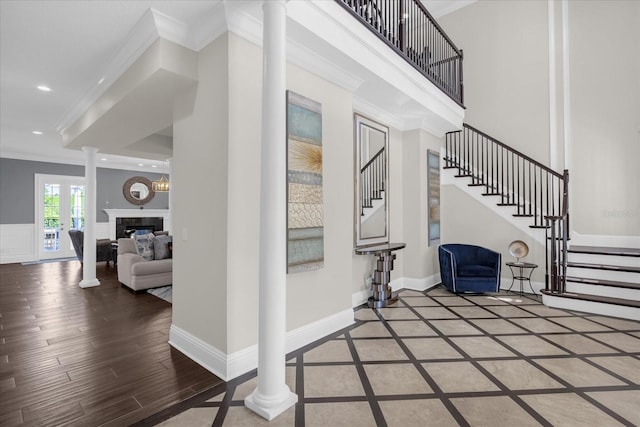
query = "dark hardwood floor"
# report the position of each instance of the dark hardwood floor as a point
(90, 357)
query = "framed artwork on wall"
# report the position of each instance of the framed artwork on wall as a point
(433, 197)
(305, 216)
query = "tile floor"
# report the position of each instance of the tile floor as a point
(437, 359)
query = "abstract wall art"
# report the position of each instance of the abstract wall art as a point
(305, 216)
(433, 197)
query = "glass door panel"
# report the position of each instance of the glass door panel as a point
(51, 218)
(60, 202)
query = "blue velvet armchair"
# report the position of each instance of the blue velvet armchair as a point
(468, 268)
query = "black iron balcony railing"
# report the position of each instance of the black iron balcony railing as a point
(408, 28)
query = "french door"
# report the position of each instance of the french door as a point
(60, 202)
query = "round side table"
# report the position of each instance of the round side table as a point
(521, 271)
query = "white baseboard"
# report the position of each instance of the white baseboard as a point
(505, 284)
(321, 328)
(199, 351)
(230, 366)
(360, 297)
(416, 284)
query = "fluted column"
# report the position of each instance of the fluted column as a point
(272, 395)
(89, 252)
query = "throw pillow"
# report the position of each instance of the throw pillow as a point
(144, 245)
(161, 246)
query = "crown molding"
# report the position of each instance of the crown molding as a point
(305, 58)
(378, 114)
(143, 35)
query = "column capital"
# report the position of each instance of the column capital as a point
(89, 149)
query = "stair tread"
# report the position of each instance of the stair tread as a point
(595, 298)
(601, 250)
(604, 267)
(602, 282)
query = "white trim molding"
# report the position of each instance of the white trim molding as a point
(230, 366)
(416, 284)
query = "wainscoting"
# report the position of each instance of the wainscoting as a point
(17, 241)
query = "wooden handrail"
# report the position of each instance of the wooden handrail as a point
(520, 154)
(534, 189)
(378, 154)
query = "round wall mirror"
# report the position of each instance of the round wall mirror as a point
(137, 190)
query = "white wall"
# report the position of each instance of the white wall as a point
(464, 220)
(217, 227)
(506, 50)
(200, 190)
(505, 70)
(605, 116)
(421, 260)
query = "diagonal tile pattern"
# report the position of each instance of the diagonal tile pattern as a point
(436, 358)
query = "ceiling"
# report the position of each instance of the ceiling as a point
(67, 46)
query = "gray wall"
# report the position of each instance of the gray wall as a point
(17, 189)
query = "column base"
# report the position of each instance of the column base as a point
(274, 409)
(89, 283)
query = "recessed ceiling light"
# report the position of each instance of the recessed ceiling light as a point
(103, 159)
(140, 164)
(154, 166)
(37, 132)
(101, 81)
(44, 88)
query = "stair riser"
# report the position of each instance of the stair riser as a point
(626, 261)
(613, 310)
(605, 291)
(376, 204)
(619, 276)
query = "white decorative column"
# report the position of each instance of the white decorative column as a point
(89, 252)
(272, 395)
(566, 85)
(553, 88)
(169, 226)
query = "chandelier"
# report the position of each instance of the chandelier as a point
(161, 185)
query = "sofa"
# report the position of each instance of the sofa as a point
(469, 268)
(104, 250)
(139, 274)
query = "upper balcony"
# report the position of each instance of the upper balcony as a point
(396, 64)
(409, 29)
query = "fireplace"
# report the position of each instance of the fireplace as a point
(156, 219)
(126, 226)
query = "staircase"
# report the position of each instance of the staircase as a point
(603, 280)
(373, 178)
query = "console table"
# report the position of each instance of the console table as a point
(382, 295)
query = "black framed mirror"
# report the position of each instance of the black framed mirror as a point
(138, 190)
(372, 187)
